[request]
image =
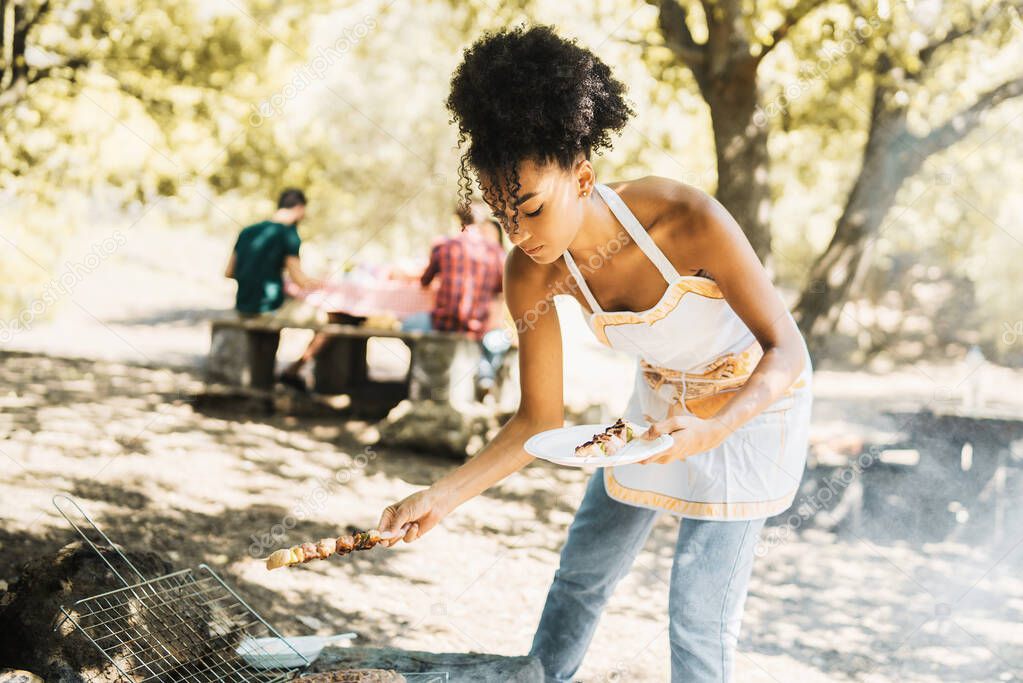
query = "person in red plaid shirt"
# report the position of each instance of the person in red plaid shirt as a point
(470, 270)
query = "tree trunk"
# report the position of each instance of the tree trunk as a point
(725, 69)
(726, 73)
(888, 160)
(892, 155)
(742, 157)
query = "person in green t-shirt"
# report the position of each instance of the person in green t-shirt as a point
(261, 255)
(263, 252)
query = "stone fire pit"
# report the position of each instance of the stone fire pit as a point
(459, 667)
(30, 609)
(32, 649)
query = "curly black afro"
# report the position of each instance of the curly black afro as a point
(528, 94)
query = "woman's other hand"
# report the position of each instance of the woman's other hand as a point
(690, 435)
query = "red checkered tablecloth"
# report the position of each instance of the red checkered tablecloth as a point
(367, 298)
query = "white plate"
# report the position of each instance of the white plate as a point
(275, 653)
(558, 446)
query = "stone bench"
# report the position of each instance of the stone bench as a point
(242, 353)
(442, 367)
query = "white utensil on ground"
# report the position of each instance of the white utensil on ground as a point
(272, 653)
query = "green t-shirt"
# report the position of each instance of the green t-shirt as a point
(259, 259)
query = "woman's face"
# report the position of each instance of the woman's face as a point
(550, 204)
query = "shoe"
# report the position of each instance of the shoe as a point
(293, 381)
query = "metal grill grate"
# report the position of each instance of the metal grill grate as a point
(184, 626)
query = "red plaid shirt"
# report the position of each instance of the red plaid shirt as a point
(470, 267)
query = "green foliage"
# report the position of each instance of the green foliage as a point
(203, 111)
(133, 94)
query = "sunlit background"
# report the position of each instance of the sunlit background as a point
(870, 150)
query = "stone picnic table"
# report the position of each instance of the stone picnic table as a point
(433, 408)
(366, 297)
(243, 353)
(440, 383)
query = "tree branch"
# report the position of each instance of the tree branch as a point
(26, 24)
(975, 26)
(74, 63)
(792, 17)
(18, 75)
(3, 30)
(671, 19)
(18, 68)
(12, 94)
(4, 64)
(963, 122)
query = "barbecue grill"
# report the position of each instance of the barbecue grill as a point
(184, 626)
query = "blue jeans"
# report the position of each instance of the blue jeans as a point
(493, 347)
(707, 593)
(417, 322)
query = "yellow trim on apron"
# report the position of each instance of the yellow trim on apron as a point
(744, 476)
(685, 284)
(692, 508)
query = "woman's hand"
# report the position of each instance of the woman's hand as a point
(413, 516)
(690, 434)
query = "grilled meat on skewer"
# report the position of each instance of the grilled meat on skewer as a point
(322, 549)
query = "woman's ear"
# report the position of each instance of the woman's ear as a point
(585, 176)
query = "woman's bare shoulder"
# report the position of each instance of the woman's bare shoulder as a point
(656, 199)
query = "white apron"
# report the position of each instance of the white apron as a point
(694, 349)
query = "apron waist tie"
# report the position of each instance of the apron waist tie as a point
(724, 374)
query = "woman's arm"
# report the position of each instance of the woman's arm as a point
(541, 407)
(712, 237)
(744, 281)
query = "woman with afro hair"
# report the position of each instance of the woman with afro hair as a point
(664, 273)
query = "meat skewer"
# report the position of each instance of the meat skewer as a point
(324, 548)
